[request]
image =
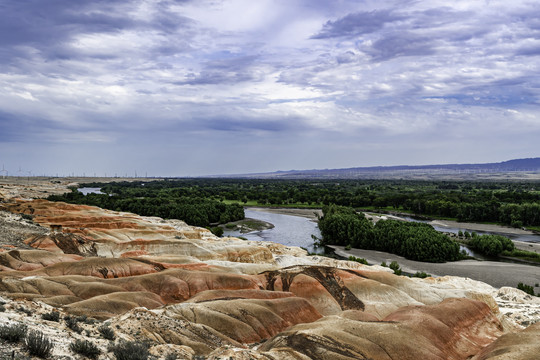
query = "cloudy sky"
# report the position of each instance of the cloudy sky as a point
(198, 87)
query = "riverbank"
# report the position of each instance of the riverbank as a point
(481, 227)
(248, 225)
(496, 274)
(311, 214)
(527, 246)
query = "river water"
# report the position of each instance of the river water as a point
(288, 230)
(89, 190)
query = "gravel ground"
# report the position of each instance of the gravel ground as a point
(307, 213)
(497, 274)
(14, 230)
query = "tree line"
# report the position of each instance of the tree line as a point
(510, 203)
(491, 245)
(416, 241)
(168, 205)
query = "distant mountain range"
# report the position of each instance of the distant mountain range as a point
(512, 168)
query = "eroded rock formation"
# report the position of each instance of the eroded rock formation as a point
(191, 293)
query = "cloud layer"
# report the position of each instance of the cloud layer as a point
(180, 87)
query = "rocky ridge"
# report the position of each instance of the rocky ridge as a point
(194, 295)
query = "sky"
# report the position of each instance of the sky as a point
(203, 87)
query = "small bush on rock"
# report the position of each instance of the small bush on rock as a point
(130, 350)
(73, 324)
(38, 344)
(106, 332)
(85, 319)
(13, 333)
(85, 348)
(51, 316)
(25, 310)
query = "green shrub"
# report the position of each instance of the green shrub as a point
(2, 308)
(421, 274)
(130, 350)
(216, 230)
(395, 266)
(526, 288)
(106, 332)
(348, 247)
(523, 254)
(51, 316)
(85, 348)
(38, 344)
(491, 245)
(517, 224)
(13, 333)
(360, 260)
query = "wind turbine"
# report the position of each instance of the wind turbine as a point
(4, 172)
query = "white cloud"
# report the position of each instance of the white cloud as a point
(412, 71)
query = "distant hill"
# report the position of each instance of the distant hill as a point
(513, 168)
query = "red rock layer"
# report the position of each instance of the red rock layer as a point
(102, 264)
(91, 231)
(28, 260)
(247, 320)
(523, 345)
(428, 333)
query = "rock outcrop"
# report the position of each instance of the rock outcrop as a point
(455, 329)
(522, 345)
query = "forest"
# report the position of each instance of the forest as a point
(509, 203)
(416, 241)
(165, 203)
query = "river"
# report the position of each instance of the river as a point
(288, 230)
(89, 190)
(296, 231)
